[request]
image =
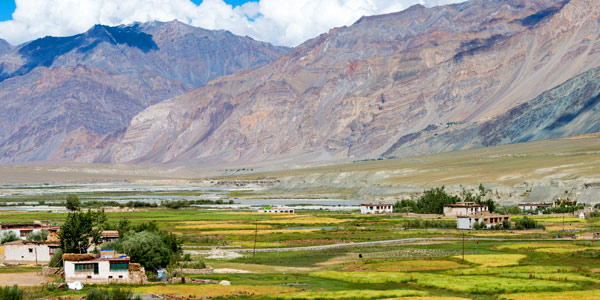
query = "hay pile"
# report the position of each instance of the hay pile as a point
(78, 257)
(133, 267)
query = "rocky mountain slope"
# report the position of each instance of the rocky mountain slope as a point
(357, 90)
(570, 109)
(60, 96)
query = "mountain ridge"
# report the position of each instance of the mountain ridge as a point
(63, 95)
(338, 96)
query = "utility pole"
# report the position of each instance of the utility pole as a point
(463, 247)
(255, 234)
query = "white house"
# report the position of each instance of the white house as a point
(277, 210)
(109, 267)
(464, 209)
(370, 208)
(533, 206)
(21, 230)
(29, 252)
(468, 222)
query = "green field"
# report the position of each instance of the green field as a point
(506, 265)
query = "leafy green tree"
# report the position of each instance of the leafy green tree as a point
(8, 236)
(80, 229)
(38, 236)
(432, 201)
(73, 203)
(148, 249)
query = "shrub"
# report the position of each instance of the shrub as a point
(8, 236)
(56, 260)
(11, 293)
(115, 294)
(527, 223)
(38, 236)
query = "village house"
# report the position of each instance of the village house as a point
(108, 267)
(21, 230)
(370, 208)
(277, 210)
(109, 236)
(533, 206)
(564, 202)
(464, 209)
(22, 251)
(468, 222)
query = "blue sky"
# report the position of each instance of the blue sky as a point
(7, 7)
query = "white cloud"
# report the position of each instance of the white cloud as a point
(281, 22)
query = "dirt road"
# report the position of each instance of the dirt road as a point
(23, 279)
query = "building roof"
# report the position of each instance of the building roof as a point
(484, 215)
(25, 242)
(376, 205)
(28, 226)
(110, 233)
(465, 204)
(92, 257)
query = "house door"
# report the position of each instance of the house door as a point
(95, 269)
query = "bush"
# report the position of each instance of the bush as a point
(38, 236)
(115, 294)
(506, 225)
(11, 293)
(8, 236)
(527, 223)
(56, 260)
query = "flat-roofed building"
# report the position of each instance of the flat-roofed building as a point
(23, 251)
(108, 267)
(533, 206)
(464, 209)
(370, 208)
(22, 230)
(468, 222)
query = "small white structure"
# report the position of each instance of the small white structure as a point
(533, 206)
(464, 209)
(107, 268)
(29, 252)
(581, 215)
(468, 222)
(277, 210)
(370, 208)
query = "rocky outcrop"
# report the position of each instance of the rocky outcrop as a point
(63, 96)
(570, 109)
(355, 91)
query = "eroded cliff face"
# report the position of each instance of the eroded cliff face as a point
(61, 97)
(355, 91)
(572, 108)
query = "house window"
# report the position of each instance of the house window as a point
(86, 268)
(30, 250)
(114, 266)
(53, 250)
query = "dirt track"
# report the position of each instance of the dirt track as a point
(22, 279)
